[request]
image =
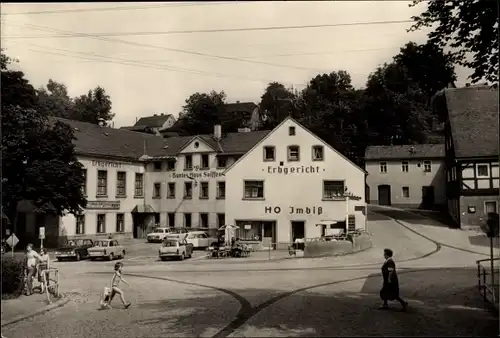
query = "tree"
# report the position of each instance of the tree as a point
(93, 106)
(55, 101)
(15, 89)
(276, 104)
(39, 164)
(202, 111)
(468, 27)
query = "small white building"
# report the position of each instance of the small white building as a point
(292, 185)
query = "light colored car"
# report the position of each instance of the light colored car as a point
(158, 235)
(106, 248)
(200, 239)
(174, 247)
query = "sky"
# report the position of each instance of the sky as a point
(161, 57)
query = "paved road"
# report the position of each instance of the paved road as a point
(293, 297)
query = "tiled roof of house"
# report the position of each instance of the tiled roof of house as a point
(404, 152)
(154, 121)
(91, 139)
(247, 107)
(473, 115)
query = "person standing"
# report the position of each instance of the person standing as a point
(390, 286)
(32, 258)
(43, 266)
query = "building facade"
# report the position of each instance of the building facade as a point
(472, 152)
(407, 176)
(291, 185)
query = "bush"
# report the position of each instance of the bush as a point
(12, 274)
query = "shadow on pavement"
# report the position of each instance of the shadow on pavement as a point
(482, 240)
(416, 217)
(443, 302)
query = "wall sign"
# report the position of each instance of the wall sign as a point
(295, 210)
(106, 164)
(303, 169)
(471, 209)
(103, 205)
(205, 174)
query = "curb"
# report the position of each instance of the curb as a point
(60, 302)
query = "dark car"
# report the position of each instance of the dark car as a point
(74, 249)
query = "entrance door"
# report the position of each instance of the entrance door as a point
(384, 194)
(139, 226)
(298, 230)
(268, 235)
(428, 197)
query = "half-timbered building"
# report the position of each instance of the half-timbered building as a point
(471, 152)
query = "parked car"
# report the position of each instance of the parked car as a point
(174, 247)
(74, 249)
(200, 239)
(106, 248)
(158, 235)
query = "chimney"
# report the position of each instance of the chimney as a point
(217, 132)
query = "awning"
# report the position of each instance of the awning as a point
(224, 227)
(143, 209)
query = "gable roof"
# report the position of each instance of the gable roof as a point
(247, 107)
(473, 116)
(198, 137)
(154, 121)
(405, 152)
(92, 139)
(304, 128)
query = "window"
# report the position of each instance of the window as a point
(80, 224)
(188, 162)
(204, 161)
(188, 190)
(406, 192)
(317, 153)
(102, 183)
(121, 183)
(383, 167)
(291, 131)
(221, 190)
(254, 189)
(101, 223)
(490, 206)
(139, 190)
(221, 220)
(404, 166)
(187, 220)
(221, 162)
(171, 219)
(157, 166)
(204, 190)
(170, 165)
(204, 220)
(84, 186)
(333, 189)
(269, 153)
(120, 222)
(293, 153)
(482, 170)
(157, 190)
(171, 190)
(427, 166)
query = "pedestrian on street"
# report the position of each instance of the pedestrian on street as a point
(115, 283)
(390, 286)
(43, 266)
(32, 258)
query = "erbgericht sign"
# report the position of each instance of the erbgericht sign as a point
(303, 169)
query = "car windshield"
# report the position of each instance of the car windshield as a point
(74, 242)
(101, 243)
(170, 242)
(158, 230)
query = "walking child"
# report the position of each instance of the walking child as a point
(115, 283)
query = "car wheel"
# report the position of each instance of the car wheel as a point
(181, 257)
(111, 257)
(190, 255)
(123, 254)
(92, 259)
(77, 256)
(59, 259)
(163, 258)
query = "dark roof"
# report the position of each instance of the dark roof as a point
(92, 139)
(247, 107)
(473, 116)
(154, 121)
(178, 126)
(404, 152)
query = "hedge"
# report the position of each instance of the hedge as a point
(12, 274)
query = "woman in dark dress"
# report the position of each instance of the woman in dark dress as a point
(390, 287)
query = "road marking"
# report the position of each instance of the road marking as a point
(197, 258)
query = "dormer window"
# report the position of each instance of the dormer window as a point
(171, 165)
(293, 153)
(291, 131)
(269, 153)
(157, 166)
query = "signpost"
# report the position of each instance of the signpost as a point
(12, 242)
(42, 236)
(492, 230)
